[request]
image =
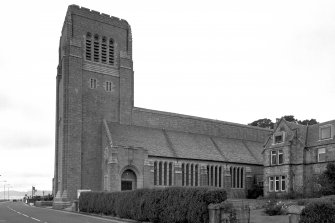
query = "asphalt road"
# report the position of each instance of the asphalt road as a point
(18, 212)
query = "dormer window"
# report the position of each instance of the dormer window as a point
(278, 138)
(325, 132)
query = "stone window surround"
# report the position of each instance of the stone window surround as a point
(278, 134)
(322, 151)
(280, 182)
(277, 154)
(323, 127)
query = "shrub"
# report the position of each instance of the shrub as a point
(318, 211)
(255, 192)
(274, 207)
(174, 204)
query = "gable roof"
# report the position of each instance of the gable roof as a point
(307, 135)
(184, 145)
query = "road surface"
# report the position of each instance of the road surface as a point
(18, 212)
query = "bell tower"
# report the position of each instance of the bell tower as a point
(94, 82)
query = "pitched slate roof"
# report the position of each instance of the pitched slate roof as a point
(313, 134)
(177, 144)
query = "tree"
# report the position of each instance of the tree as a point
(290, 118)
(263, 123)
(308, 122)
(327, 180)
(267, 123)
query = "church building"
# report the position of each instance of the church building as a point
(104, 143)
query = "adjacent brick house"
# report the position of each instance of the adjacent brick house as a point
(295, 155)
(103, 142)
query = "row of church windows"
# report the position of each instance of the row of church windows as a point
(99, 49)
(163, 173)
(237, 177)
(190, 174)
(215, 176)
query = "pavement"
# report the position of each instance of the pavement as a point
(19, 212)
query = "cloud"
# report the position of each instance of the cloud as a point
(4, 102)
(25, 142)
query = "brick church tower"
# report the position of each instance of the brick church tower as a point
(94, 83)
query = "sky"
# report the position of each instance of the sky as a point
(235, 61)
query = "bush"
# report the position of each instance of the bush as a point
(255, 192)
(274, 207)
(318, 211)
(174, 204)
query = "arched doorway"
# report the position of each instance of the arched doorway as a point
(128, 180)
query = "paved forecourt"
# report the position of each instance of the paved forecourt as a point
(19, 212)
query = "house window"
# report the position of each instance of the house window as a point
(271, 183)
(277, 185)
(93, 83)
(325, 132)
(280, 157)
(273, 157)
(283, 183)
(322, 155)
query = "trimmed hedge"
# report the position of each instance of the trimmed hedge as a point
(318, 211)
(169, 205)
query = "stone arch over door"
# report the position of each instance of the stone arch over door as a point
(128, 180)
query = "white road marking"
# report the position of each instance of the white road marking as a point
(35, 219)
(25, 215)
